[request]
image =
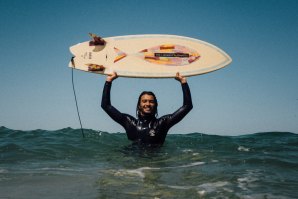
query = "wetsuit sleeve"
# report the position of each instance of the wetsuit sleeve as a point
(116, 115)
(178, 115)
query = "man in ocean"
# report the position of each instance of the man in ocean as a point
(147, 129)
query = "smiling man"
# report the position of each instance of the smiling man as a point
(147, 104)
(146, 129)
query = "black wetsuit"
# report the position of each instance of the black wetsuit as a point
(147, 130)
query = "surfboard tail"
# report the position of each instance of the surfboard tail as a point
(72, 63)
(95, 68)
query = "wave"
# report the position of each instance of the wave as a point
(68, 143)
(188, 165)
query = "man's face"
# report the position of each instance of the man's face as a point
(147, 105)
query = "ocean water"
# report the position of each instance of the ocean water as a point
(63, 164)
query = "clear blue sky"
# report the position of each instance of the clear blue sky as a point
(256, 93)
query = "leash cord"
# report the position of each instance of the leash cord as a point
(75, 96)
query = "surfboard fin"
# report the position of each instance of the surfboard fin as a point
(97, 41)
(95, 67)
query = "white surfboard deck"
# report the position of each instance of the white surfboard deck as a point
(149, 56)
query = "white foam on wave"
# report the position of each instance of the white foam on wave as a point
(242, 148)
(134, 172)
(187, 165)
(190, 151)
(211, 187)
(180, 187)
(248, 180)
(187, 150)
(140, 172)
(205, 188)
(60, 169)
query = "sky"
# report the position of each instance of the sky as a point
(257, 92)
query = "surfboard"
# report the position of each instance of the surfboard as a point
(148, 56)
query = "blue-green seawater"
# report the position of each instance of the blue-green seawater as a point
(63, 164)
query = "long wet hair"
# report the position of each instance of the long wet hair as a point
(155, 113)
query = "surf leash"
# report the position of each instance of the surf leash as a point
(75, 96)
